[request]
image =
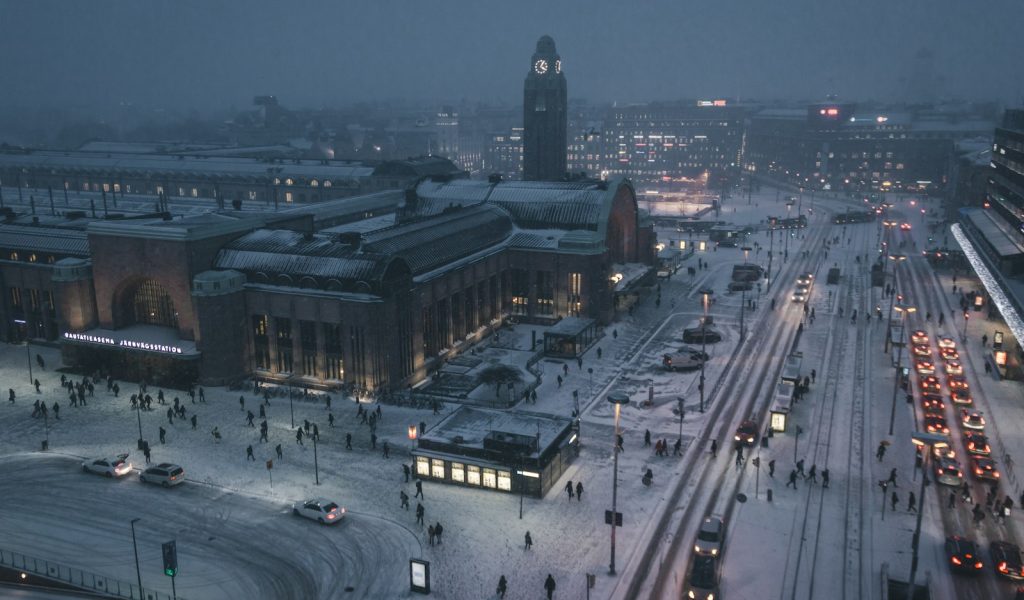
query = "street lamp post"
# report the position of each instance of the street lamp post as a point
(771, 250)
(618, 399)
(138, 415)
(967, 317)
(789, 205)
(705, 294)
(681, 414)
(928, 441)
(902, 309)
(135, 547)
(28, 353)
(316, 463)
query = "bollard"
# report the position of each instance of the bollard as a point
(45, 445)
(769, 494)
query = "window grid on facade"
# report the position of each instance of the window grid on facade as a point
(333, 350)
(575, 293)
(261, 343)
(284, 344)
(153, 306)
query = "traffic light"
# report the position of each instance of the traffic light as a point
(170, 550)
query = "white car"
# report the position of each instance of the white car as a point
(117, 466)
(165, 474)
(972, 419)
(320, 510)
(710, 536)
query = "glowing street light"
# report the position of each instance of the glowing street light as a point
(618, 399)
(902, 309)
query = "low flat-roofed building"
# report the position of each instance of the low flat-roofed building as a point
(515, 452)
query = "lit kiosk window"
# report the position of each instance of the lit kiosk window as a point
(492, 450)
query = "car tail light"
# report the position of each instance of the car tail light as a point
(956, 560)
(977, 565)
(1002, 567)
(330, 516)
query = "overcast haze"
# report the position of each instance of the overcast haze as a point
(209, 55)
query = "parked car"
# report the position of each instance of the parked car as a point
(320, 510)
(165, 474)
(117, 466)
(963, 554)
(710, 536)
(1006, 559)
(976, 443)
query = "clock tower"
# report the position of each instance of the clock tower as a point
(544, 115)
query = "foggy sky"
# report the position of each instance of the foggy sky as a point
(215, 53)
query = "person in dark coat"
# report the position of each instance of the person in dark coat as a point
(348, 441)
(569, 489)
(404, 498)
(163, 434)
(277, 449)
(405, 471)
(419, 513)
(529, 541)
(438, 530)
(298, 436)
(579, 491)
(549, 586)
(248, 454)
(419, 490)
(170, 416)
(502, 586)
(431, 534)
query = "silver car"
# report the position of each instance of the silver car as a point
(165, 474)
(710, 536)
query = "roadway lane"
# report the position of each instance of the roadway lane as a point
(229, 545)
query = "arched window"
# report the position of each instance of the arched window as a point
(152, 305)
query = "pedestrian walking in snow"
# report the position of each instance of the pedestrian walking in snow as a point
(714, 448)
(895, 500)
(824, 478)
(771, 468)
(163, 434)
(348, 441)
(248, 453)
(305, 426)
(404, 498)
(647, 437)
(56, 411)
(170, 416)
(800, 468)
(145, 452)
(502, 587)
(278, 452)
(739, 456)
(912, 503)
(549, 586)
(438, 530)
(812, 475)
(373, 441)
(814, 375)
(316, 435)
(430, 534)
(619, 440)
(405, 471)
(792, 479)
(298, 436)
(10, 395)
(677, 447)
(117, 390)
(579, 492)
(36, 383)
(892, 477)
(529, 541)
(330, 419)
(559, 378)
(419, 490)
(569, 489)
(263, 412)
(387, 451)
(419, 513)
(241, 403)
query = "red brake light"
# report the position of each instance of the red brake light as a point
(1002, 567)
(977, 565)
(956, 560)
(330, 516)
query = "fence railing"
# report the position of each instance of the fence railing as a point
(79, 578)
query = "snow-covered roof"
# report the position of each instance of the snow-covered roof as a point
(44, 239)
(184, 165)
(275, 252)
(473, 424)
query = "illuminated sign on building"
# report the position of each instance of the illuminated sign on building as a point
(712, 103)
(830, 111)
(107, 341)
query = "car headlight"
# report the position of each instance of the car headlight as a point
(691, 594)
(714, 552)
(696, 548)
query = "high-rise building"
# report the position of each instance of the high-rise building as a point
(544, 115)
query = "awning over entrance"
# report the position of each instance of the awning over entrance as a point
(137, 338)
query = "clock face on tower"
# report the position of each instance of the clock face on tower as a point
(541, 66)
(558, 66)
